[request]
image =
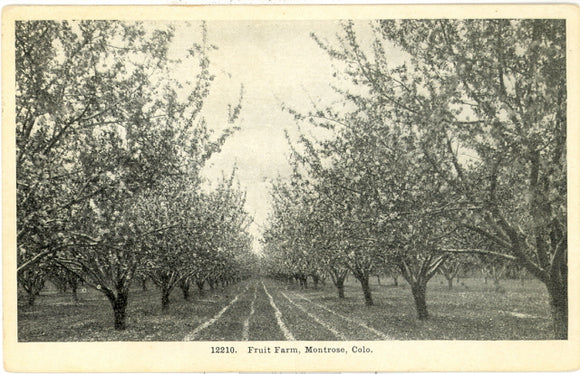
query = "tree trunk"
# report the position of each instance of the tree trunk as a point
(364, 282)
(31, 298)
(200, 286)
(419, 291)
(450, 283)
(559, 307)
(75, 294)
(62, 288)
(338, 278)
(378, 279)
(185, 290)
(119, 304)
(74, 285)
(144, 284)
(560, 320)
(315, 280)
(340, 287)
(303, 282)
(165, 292)
(395, 281)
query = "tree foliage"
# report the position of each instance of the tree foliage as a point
(109, 151)
(462, 136)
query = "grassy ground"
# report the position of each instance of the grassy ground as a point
(55, 317)
(263, 325)
(471, 310)
(300, 324)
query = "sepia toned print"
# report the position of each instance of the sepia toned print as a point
(290, 193)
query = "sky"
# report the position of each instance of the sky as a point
(278, 63)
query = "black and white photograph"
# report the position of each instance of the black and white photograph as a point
(312, 188)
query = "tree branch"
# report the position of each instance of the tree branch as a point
(480, 252)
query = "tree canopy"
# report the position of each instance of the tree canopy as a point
(110, 147)
(466, 137)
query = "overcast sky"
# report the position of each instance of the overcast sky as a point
(277, 62)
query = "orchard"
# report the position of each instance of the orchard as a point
(440, 161)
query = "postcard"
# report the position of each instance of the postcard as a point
(290, 188)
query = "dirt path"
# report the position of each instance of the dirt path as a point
(287, 334)
(246, 330)
(265, 311)
(192, 335)
(346, 319)
(334, 332)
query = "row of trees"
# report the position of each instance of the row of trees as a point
(460, 149)
(109, 153)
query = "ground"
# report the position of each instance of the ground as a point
(263, 309)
